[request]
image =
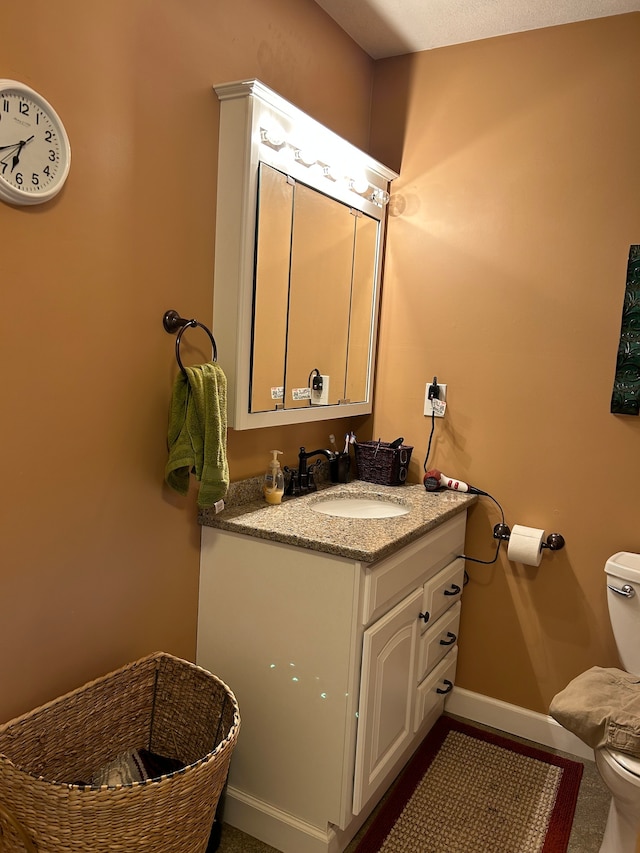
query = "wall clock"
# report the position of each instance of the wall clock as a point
(35, 154)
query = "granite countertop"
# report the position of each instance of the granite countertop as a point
(365, 539)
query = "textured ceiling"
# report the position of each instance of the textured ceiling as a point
(392, 27)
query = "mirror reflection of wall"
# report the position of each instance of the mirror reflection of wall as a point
(321, 252)
(271, 294)
(314, 295)
(363, 296)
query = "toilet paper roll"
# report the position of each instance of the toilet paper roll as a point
(525, 545)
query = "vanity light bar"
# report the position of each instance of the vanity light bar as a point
(274, 138)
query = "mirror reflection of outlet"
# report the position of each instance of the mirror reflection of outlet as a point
(428, 407)
(321, 398)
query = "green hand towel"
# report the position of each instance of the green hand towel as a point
(197, 435)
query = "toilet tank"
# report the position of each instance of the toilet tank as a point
(623, 598)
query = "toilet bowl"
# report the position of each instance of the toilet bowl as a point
(621, 772)
(621, 775)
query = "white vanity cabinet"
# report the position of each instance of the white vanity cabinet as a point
(340, 667)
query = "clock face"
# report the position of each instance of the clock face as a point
(34, 148)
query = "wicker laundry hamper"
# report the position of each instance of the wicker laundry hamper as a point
(168, 706)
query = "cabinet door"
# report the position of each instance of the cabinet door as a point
(387, 695)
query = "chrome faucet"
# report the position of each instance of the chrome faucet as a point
(301, 479)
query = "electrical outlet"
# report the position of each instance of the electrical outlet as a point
(320, 397)
(442, 396)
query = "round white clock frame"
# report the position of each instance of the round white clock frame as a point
(35, 154)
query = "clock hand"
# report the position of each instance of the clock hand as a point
(15, 144)
(16, 156)
(20, 144)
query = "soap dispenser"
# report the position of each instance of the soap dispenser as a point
(273, 487)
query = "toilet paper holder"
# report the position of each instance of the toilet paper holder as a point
(555, 541)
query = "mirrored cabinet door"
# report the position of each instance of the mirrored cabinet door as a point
(362, 313)
(271, 292)
(321, 253)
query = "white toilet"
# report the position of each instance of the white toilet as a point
(621, 772)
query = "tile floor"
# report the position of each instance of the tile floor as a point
(586, 835)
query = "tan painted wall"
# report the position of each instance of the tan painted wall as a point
(99, 561)
(508, 240)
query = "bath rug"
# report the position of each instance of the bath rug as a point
(471, 791)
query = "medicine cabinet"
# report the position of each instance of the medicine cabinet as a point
(298, 262)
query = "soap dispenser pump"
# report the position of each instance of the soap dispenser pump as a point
(273, 487)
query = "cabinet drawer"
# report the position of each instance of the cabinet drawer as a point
(434, 690)
(442, 592)
(390, 580)
(438, 640)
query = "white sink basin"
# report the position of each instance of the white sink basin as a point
(350, 507)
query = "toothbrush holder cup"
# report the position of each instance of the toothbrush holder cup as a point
(339, 468)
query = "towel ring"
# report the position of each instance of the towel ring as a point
(173, 322)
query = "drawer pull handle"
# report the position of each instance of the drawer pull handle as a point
(455, 589)
(451, 638)
(426, 616)
(448, 688)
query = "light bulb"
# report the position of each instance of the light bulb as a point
(359, 184)
(306, 156)
(272, 135)
(307, 150)
(316, 170)
(380, 197)
(287, 155)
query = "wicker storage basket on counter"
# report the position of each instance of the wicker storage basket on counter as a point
(378, 462)
(169, 706)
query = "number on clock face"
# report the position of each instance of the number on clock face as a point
(30, 145)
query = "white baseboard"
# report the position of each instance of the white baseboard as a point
(515, 720)
(274, 827)
(284, 831)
